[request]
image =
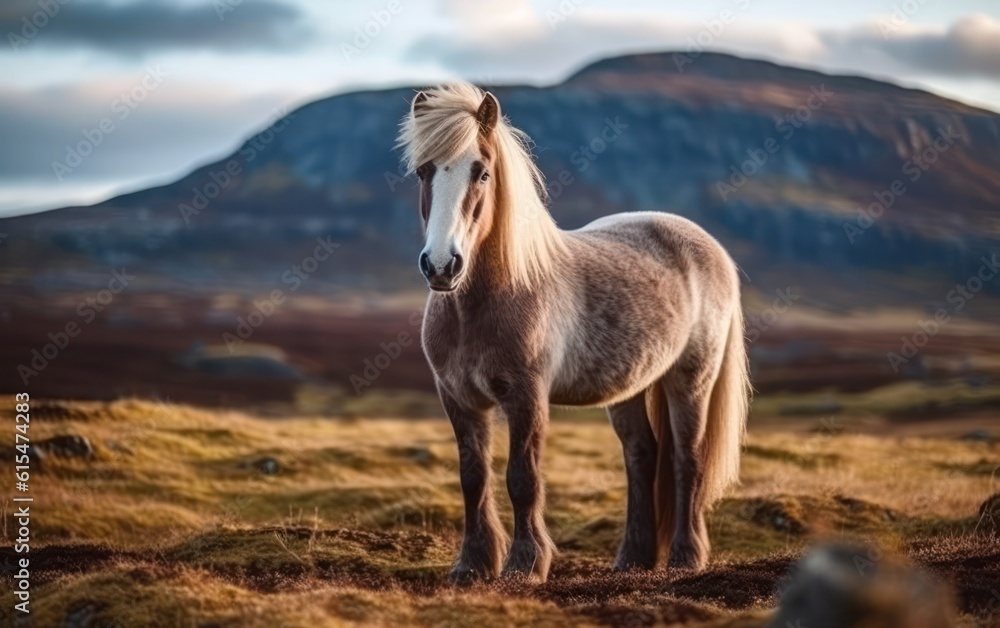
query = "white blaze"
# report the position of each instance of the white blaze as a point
(445, 228)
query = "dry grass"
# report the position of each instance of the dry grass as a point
(174, 521)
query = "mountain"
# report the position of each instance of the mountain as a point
(778, 161)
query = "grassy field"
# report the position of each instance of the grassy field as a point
(191, 517)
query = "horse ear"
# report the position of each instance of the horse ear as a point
(418, 100)
(488, 114)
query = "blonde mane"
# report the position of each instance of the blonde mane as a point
(445, 127)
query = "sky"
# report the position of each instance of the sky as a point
(152, 89)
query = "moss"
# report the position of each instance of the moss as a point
(800, 459)
(362, 518)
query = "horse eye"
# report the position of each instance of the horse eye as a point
(484, 177)
(423, 170)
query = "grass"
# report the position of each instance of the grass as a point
(192, 517)
(905, 399)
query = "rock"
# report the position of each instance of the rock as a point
(118, 447)
(421, 455)
(268, 466)
(840, 586)
(81, 617)
(242, 361)
(63, 446)
(417, 454)
(782, 515)
(979, 436)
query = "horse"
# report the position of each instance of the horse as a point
(635, 312)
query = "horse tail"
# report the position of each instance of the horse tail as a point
(727, 414)
(663, 483)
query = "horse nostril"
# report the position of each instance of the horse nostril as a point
(456, 265)
(425, 265)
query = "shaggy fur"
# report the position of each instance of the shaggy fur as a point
(638, 312)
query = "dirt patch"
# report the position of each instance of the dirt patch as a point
(581, 584)
(56, 561)
(971, 564)
(57, 411)
(738, 585)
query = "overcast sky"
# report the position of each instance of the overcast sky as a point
(205, 73)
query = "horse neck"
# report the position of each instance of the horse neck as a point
(488, 278)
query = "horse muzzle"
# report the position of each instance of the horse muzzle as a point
(442, 278)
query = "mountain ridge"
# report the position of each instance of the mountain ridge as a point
(330, 169)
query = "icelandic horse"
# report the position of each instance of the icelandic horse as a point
(637, 312)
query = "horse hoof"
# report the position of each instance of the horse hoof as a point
(686, 560)
(463, 576)
(634, 557)
(626, 564)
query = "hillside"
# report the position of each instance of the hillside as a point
(819, 147)
(828, 295)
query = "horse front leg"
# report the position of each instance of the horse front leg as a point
(531, 550)
(484, 539)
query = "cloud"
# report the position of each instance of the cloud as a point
(969, 48)
(162, 135)
(550, 43)
(141, 27)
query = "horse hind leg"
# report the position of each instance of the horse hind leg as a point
(688, 390)
(631, 424)
(708, 398)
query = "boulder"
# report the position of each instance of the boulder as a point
(845, 586)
